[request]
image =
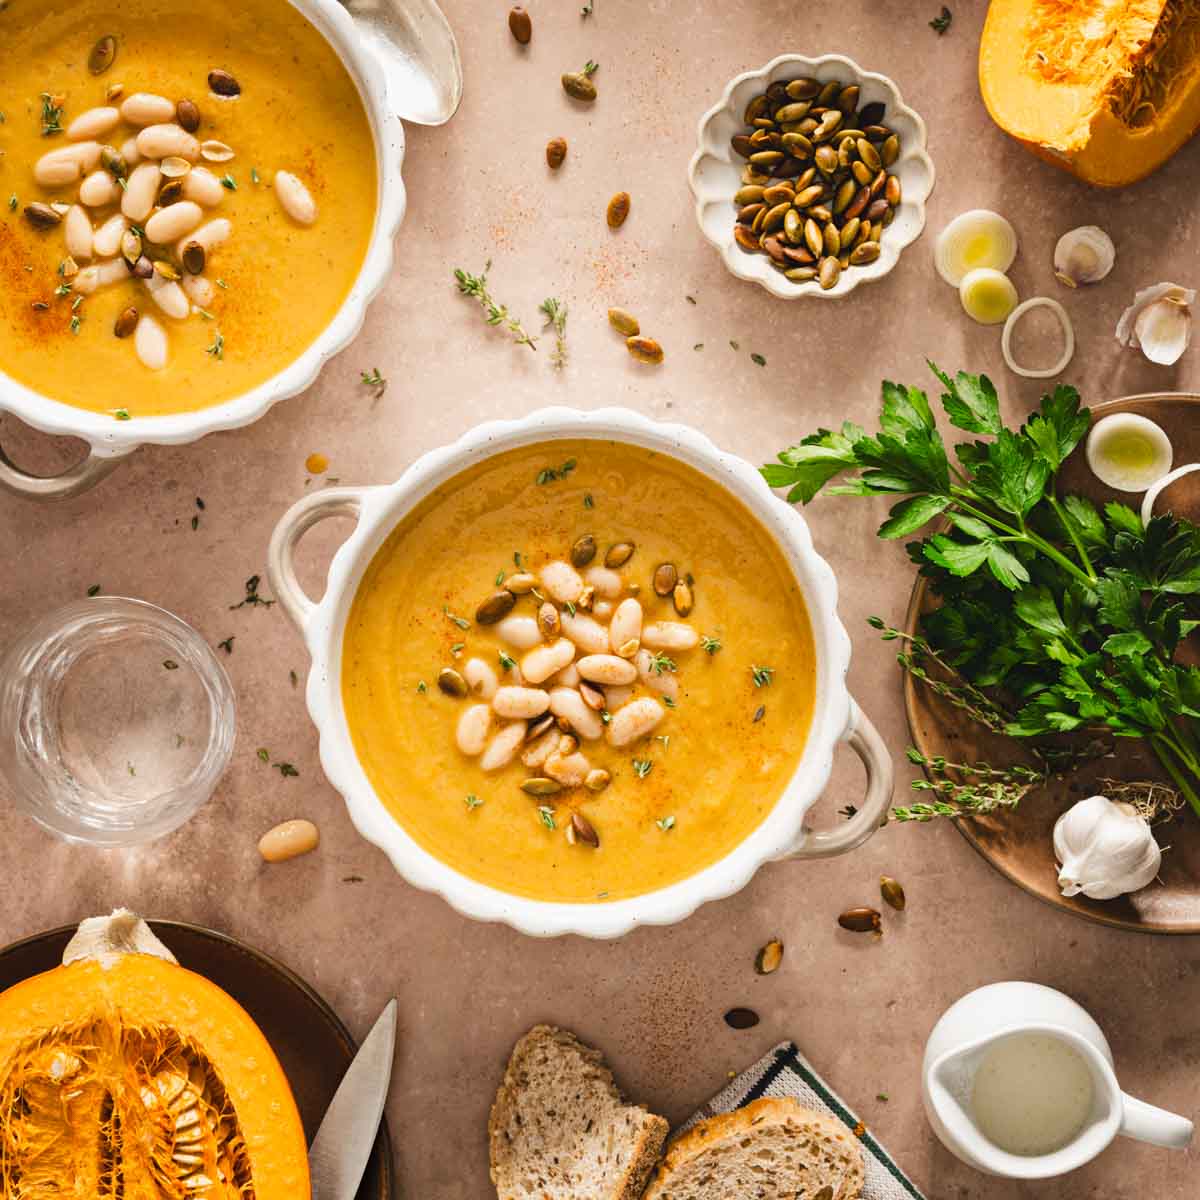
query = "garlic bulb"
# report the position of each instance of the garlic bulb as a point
(1105, 849)
(1084, 255)
(1159, 322)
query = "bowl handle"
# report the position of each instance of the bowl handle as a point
(293, 525)
(865, 741)
(75, 479)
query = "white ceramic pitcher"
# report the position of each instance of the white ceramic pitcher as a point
(962, 1037)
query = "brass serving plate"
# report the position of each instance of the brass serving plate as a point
(1018, 842)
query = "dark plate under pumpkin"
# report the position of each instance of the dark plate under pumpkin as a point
(312, 1045)
(1018, 843)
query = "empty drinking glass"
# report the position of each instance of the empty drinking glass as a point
(116, 721)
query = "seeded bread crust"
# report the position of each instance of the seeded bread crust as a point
(773, 1149)
(560, 1130)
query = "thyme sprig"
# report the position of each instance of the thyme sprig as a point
(966, 789)
(555, 312)
(476, 286)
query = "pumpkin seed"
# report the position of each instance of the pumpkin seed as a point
(103, 54)
(876, 209)
(793, 226)
(751, 194)
(792, 112)
(538, 726)
(767, 960)
(745, 239)
(126, 323)
(682, 598)
(829, 273)
(618, 554)
(802, 89)
(861, 920)
(850, 231)
(452, 683)
(549, 622)
(829, 122)
(889, 151)
(868, 154)
(223, 83)
(579, 87)
(583, 551)
(800, 255)
(773, 246)
(892, 892)
(797, 145)
(171, 192)
(647, 350)
(747, 214)
(774, 217)
(833, 239)
(166, 270)
(767, 158)
(496, 606)
(665, 578)
(540, 786)
(188, 115)
(131, 246)
(194, 257)
(597, 780)
(624, 323)
(741, 145)
(755, 109)
(871, 114)
(584, 830)
(828, 93)
(42, 216)
(891, 191)
(863, 253)
(618, 210)
(847, 100)
(844, 195)
(826, 158)
(800, 274)
(143, 268)
(520, 25)
(741, 1018)
(877, 133)
(778, 193)
(813, 237)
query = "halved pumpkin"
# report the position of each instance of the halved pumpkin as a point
(124, 1076)
(1107, 89)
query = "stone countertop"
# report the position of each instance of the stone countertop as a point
(860, 1008)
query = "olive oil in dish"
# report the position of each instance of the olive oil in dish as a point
(1032, 1094)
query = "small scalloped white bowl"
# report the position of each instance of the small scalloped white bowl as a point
(111, 439)
(782, 834)
(715, 172)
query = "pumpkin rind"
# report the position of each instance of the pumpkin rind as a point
(1106, 91)
(121, 1017)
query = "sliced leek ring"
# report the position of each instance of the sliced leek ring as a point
(979, 238)
(1068, 338)
(987, 295)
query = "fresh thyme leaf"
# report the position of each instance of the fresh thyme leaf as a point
(710, 645)
(758, 358)
(52, 111)
(421, 687)
(461, 622)
(254, 175)
(669, 702)
(586, 10)
(642, 767)
(264, 754)
(121, 414)
(294, 678)
(762, 676)
(252, 597)
(473, 801)
(13, 202)
(286, 770)
(588, 502)
(759, 713)
(662, 662)
(228, 182)
(94, 590)
(374, 381)
(226, 644)
(665, 823)
(170, 664)
(546, 816)
(506, 660)
(476, 286)
(217, 349)
(941, 22)
(555, 312)
(553, 474)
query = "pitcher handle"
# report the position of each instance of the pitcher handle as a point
(292, 526)
(865, 741)
(1145, 1123)
(78, 477)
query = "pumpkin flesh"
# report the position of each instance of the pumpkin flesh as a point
(141, 1081)
(1107, 89)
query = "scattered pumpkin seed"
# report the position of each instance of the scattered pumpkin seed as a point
(194, 257)
(583, 551)
(665, 578)
(624, 323)
(767, 960)
(647, 350)
(126, 323)
(584, 830)
(892, 892)
(618, 210)
(741, 1018)
(452, 683)
(166, 270)
(188, 115)
(578, 84)
(549, 622)
(520, 25)
(538, 726)
(539, 786)
(619, 554)
(42, 216)
(682, 598)
(597, 779)
(223, 83)
(556, 152)
(103, 55)
(170, 192)
(861, 920)
(498, 604)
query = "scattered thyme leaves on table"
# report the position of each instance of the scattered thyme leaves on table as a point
(555, 312)
(941, 22)
(252, 597)
(476, 286)
(374, 380)
(1055, 615)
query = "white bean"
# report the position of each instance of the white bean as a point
(567, 677)
(91, 278)
(130, 153)
(543, 661)
(634, 721)
(163, 141)
(614, 697)
(606, 669)
(209, 235)
(287, 840)
(199, 290)
(569, 704)
(98, 190)
(503, 747)
(107, 241)
(202, 186)
(473, 726)
(141, 188)
(94, 123)
(169, 296)
(150, 341)
(625, 629)
(520, 703)
(480, 677)
(66, 164)
(519, 632)
(538, 751)
(171, 223)
(588, 634)
(568, 769)
(606, 581)
(562, 582)
(666, 683)
(602, 610)
(295, 198)
(145, 108)
(77, 230)
(669, 635)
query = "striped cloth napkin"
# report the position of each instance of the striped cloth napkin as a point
(786, 1072)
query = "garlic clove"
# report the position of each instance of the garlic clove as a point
(1106, 850)
(1159, 322)
(1083, 255)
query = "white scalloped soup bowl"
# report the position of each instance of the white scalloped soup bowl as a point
(379, 510)
(715, 172)
(109, 438)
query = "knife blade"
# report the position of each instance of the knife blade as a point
(340, 1151)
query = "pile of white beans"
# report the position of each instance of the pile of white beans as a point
(158, 150)
(582, 666)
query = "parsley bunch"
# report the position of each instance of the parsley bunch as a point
(1068, 617)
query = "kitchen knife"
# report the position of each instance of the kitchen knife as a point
(339, 1153)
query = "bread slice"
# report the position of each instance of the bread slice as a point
(773, 1149)
(560, 1130)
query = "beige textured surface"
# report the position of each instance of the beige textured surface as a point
(859, 1008)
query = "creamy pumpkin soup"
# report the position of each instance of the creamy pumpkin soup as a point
(186, 197)
(579, 671)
